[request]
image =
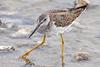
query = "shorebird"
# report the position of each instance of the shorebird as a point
(57, 21)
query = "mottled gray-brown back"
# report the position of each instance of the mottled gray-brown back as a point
(63, 18)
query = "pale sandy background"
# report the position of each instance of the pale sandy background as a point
(23, 14)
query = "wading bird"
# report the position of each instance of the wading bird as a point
(59, 21)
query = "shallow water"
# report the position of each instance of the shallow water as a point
(23, 14)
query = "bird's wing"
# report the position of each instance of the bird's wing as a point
(62, 18)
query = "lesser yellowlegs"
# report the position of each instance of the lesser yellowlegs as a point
(56, 21)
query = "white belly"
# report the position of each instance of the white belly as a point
(62, 29)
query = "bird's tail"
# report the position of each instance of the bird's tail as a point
(80, 3)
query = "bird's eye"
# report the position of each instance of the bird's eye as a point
(44, 19)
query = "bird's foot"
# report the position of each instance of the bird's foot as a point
(27, 61)
(24, 57)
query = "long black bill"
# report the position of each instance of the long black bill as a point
(34, 30)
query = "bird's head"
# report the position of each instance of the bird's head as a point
(42, 20)
(80, 3)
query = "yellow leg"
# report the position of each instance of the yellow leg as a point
(62, 50)
(26, 54)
